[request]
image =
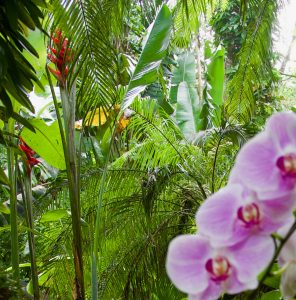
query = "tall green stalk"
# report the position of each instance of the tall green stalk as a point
(96, 244)
(13, 207)
(27, 197)
(68, 139)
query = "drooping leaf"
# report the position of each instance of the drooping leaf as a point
(186, 110)
(215, 76)
(153, 52)
(213, 91)
(254, 59)
(46, 142)
(185, 71)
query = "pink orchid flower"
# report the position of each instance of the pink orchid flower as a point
(267, 163)
(234, 213)
(204, 272)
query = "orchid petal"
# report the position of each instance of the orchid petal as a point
(185, 264)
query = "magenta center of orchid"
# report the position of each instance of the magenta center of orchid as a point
(219, 268)
(287, 164)
(249, 214)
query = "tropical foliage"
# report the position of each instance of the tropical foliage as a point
(110, 142)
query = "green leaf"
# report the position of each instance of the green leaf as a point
(54, 215)
(272, 295)
(215, 76)
(4, 209)
(5, 228)
(154, 50)
(185, 71)
(213, 92)
(23, 121)
(186, 110)
(46, 142)
(3, 177)
(272, 281)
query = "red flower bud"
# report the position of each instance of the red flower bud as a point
(51, 58)
(60, 55)
(53, 50)
(55, 40)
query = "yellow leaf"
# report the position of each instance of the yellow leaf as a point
(97, 118)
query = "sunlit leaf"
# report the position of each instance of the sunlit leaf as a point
(54, 215)
(154, 50)
(46, 142)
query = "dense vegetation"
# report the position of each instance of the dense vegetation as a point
(117, 120)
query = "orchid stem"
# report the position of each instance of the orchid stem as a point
(276, 254)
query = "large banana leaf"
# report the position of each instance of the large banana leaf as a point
(185, 71)
(210, 114)
(154, 50)
(184, 92)
(187, 110)
(215, 76)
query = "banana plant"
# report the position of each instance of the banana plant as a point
(194, 114)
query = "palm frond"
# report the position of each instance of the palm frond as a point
(254, 62)
(93, 27)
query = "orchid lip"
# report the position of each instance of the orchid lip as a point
(249, 214)
(287, 164)
(219, 268)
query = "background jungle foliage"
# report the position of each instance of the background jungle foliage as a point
(165, 93)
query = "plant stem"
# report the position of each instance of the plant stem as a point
(215, 162)
(29, 216)
(13, 208)
(68, 140)
(96, 246)
(276, 254)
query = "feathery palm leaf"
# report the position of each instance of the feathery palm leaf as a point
(254, 62)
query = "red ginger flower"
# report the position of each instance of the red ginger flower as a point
(31, 160)
(60, 55)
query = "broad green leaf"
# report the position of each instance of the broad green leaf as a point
(272, 295)
(213, 92)
(54, 215)
(185, 71)
(154, 50)
(186, 110)
(36, 38)
(3, 177)
(46, 142)
(215, 76)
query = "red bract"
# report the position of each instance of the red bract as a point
(60, 55)
(31, 160)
